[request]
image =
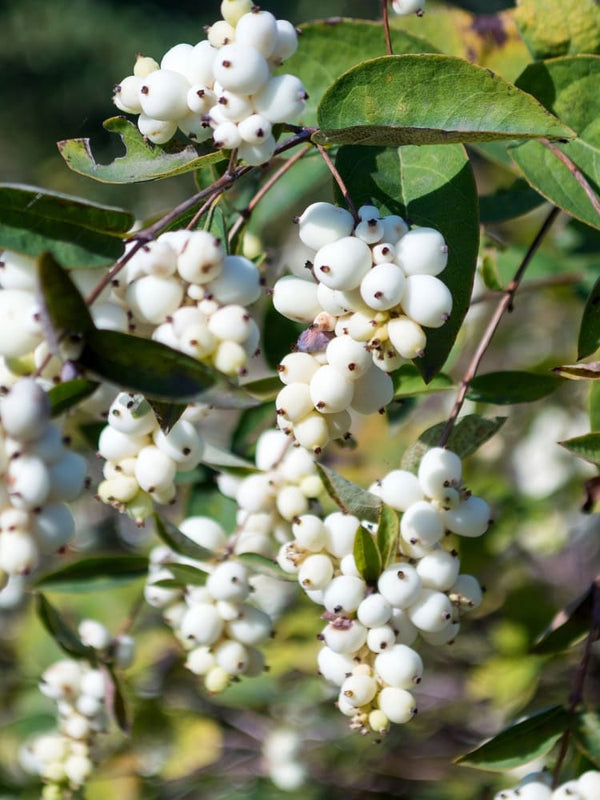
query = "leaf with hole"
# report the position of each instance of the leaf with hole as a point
(143, 161)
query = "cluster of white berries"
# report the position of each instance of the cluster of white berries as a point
(537, 786)
(282, 755)
(39, 475)
(184, 291)
(215, 622)
(268, 501)
(375, 288)
(222, 87)
(367, 642)
(141, 459)
(64, 758)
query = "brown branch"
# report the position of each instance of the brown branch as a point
(576, 695)
(338, 179)
(386, 28)
(575, 172)
(505, 304)
(247, 212)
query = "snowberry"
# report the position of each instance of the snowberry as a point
(348, 357)
(588, 784)
(157, 131)
(381, 638)
(438, 469)
(422, 251)
(469, 518)
(374, 611)
(240, 68)
(154, 470)
(341, 532)
(182, 443)
(399, 666)
(334, 667)
(403, 7)
(233, 10)
(399, 584)
(153, 299)
(466, 591)
(342, 264)
(200, 660)
(373, 391)
(346, 639)
(344, 594)
(255, 129)
(359, 689)
(228, 581)
(330, 390)
(163, 95)
(202, 624)
(427, 300)
(286, 42)
(397, 704)
(25, 410)
(238, 282)
(126, 95)
(431, 611)
(316, 572)
(399, 489)
(422, 524)
(438, 569)
(252, 626)
(221, 33)
(93, 634)
(258, 29)
(296, 298)
(383, 287)
(407, 337)
(323, 223)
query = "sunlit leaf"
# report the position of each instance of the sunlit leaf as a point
(429, 99)
(559, 27)
(143, 161)
(520, 743)
(586, 447)
(77, 232)
(409, 383)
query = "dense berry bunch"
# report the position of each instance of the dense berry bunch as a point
(367, 642)
(222, 87)
(215, 622)
(64, 758)
(185, 292)
(375, 289)
(39, 475)
(268, 501)
(141, 459)
(537, 786)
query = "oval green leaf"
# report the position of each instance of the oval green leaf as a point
(520, 743)
(179, 542)
(429, 99)
(366, 555)
(64, 310)
(157, 371)
(430, 186)
(586, 447)
(97, 572)
(69, 394)
(319, 64)
(186, 575)
(505, 388)
(388, 530)
(352, 499)
(78, 233)
(569, 88)
(64, 636)
(143, 161)
(509, 202)
(265, 566)
(589, 330)
(568, 627)
(409, 383)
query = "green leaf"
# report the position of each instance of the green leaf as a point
(63, 635)
(388, 530)
(594, 406)
(64, 309)
(490, 274)
(70, 393)
(589, 330)
(223, 459)
(167, 414)
(143, 161)
(429, 99)
(77, 233)
(319, 64)
(185, 575)
(430, 186)
(559, 27)
(508, 202)
(264, 388)
(520, 743)
(586, 734)
(179, 542)
(157, 371)
(505, 388)
(283, 334)
(215, 224)
(586, 447)
(567, 87)
(97, 572)
(250, 425)
(265, 566)
(568, 627)
(117, 703)
(366, 555)
(469, 433)
(409, 383)
(348, 496)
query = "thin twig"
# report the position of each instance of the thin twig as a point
(338, 179)
(575, 172)
(386, 28)
(556, 281)
(247, 212)
(576, 695)
(140, 238)
(505, 304)
(203, 209)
